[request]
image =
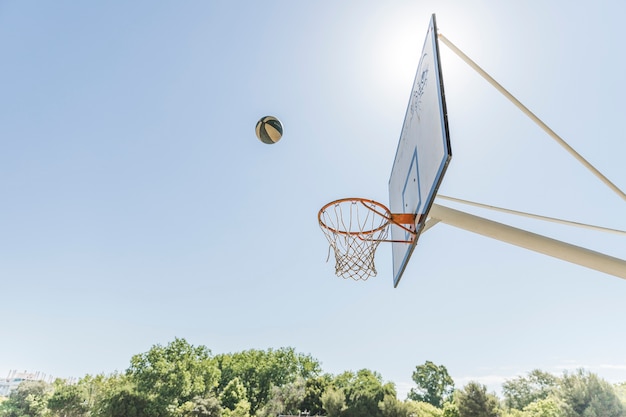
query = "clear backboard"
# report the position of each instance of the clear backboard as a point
(423, 152)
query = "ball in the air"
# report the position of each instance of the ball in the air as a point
(269, 130)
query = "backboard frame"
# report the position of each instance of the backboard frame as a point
(423, 152)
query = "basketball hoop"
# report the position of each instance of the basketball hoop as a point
(354, 227)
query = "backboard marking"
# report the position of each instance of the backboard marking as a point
(423, 152)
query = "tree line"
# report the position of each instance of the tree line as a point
(182, 380)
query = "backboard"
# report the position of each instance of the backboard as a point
(423, 152)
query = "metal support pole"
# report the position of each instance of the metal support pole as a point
(531, 241)
(532, 116)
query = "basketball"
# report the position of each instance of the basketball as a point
(269, 130)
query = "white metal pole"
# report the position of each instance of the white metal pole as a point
(531, 241)
(533, 216)
(532, 116)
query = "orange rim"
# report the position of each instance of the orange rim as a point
(399, 219)
(386, 215)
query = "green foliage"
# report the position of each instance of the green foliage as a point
(334, 401)
(547, 407)
(68, 400)
(363, 392)
(29, 399)
(423, 409)
(286, 399)
(200, 407)
(390, 406)
(233, 394)
(313, 390)
(522, 391)
(474, 401)
(620, 391)
(434, 384)
(450, 408)
(242, 409)
(586, 395)
(180, 380)
(172, 375)
(512, 412)
(118, 397)
(94, 389)
(260, 370)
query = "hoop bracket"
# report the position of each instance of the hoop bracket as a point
(403, 218)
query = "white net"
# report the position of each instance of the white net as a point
(354, 229)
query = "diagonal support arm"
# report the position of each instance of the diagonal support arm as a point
(532, 116)
(531, 241)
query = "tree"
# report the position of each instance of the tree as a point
(68, 400)
(172, 375)
(314, 388)
(434, 384)
(260, 370)
(242, 409)
(586, 395)
(547, 407)
(522, 391)
(333, 401)
(119, 397)
(233, 394)
(286, 399)
(126, 403)
(423, 409)
(29, 399)
(450, 408)
(390, 406)
(620, 391)
(208, 406)
(474, 401)
(363, 392)
(95, 388)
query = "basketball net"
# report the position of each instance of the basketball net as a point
(354, 227)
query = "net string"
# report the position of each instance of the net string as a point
(354, 230)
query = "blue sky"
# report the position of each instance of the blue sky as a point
(138, 206)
